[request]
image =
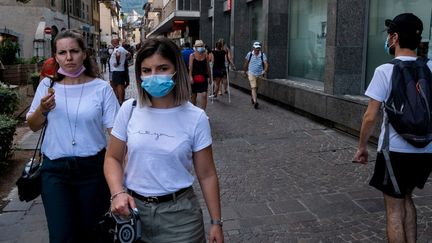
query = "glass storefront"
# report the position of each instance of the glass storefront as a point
(255, 20)
(307, 39)
(380, 10)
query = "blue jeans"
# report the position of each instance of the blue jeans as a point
(75, 197)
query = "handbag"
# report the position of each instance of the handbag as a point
(29, 184)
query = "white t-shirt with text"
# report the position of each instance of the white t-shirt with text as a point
(160, 145)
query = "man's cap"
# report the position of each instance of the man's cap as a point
(406, 23)
(256, 44)
(199, 43)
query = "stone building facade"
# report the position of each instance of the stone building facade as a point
(322, 53)
(34, 24)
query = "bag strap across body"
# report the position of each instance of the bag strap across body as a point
(386, 152)
(40, 139)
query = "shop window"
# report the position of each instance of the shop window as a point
(380, 10)
(256, 23)
(307, 39)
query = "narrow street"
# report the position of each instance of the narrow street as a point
(283, 178)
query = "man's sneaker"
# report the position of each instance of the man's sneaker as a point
(256, 105)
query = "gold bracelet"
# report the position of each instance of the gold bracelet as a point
(116, 194)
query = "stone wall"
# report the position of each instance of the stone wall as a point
(343, 112)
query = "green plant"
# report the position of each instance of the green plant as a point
(20, 60)
(36, 59)
(34, 80)
(7, 131)
(8, 50)
(9, 100)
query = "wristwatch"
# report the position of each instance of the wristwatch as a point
(216, 222)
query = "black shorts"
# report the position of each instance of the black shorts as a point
(411, 170)
(119, 78)
(199, 87)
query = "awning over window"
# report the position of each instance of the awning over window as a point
(39, 34)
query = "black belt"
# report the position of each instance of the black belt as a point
(158, 199)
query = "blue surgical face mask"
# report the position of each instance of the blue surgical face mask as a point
(158, 85)
(387, 47)
(201, 49)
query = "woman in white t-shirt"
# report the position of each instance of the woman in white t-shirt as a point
(79, 109)
(166, 139)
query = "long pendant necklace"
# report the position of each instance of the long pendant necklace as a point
(76, 114)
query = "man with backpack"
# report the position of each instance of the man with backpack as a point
(255, 67)
(404, 159)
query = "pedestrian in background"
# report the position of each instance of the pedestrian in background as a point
(219, 59)
(77, 111)
(411, 165)
(110, 52)
(165, 137)
(199, 72)
(186, 52)
(228, 64)
(118, 64)
(255, 67)
(104, 55)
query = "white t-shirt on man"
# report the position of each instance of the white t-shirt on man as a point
(113, 60)
(379, 89)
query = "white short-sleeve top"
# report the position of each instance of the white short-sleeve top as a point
(95, 113)
(379, 89)
(160, 145)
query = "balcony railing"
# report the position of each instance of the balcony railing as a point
(180, 5)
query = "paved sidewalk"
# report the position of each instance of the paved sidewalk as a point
(283, 178)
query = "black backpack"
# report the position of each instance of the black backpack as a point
(409, 105)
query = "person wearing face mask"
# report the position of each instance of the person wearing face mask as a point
(77, 109)
(110, 52)
(199, 71)
(166, 137)
(254, 68)
(406, 166)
